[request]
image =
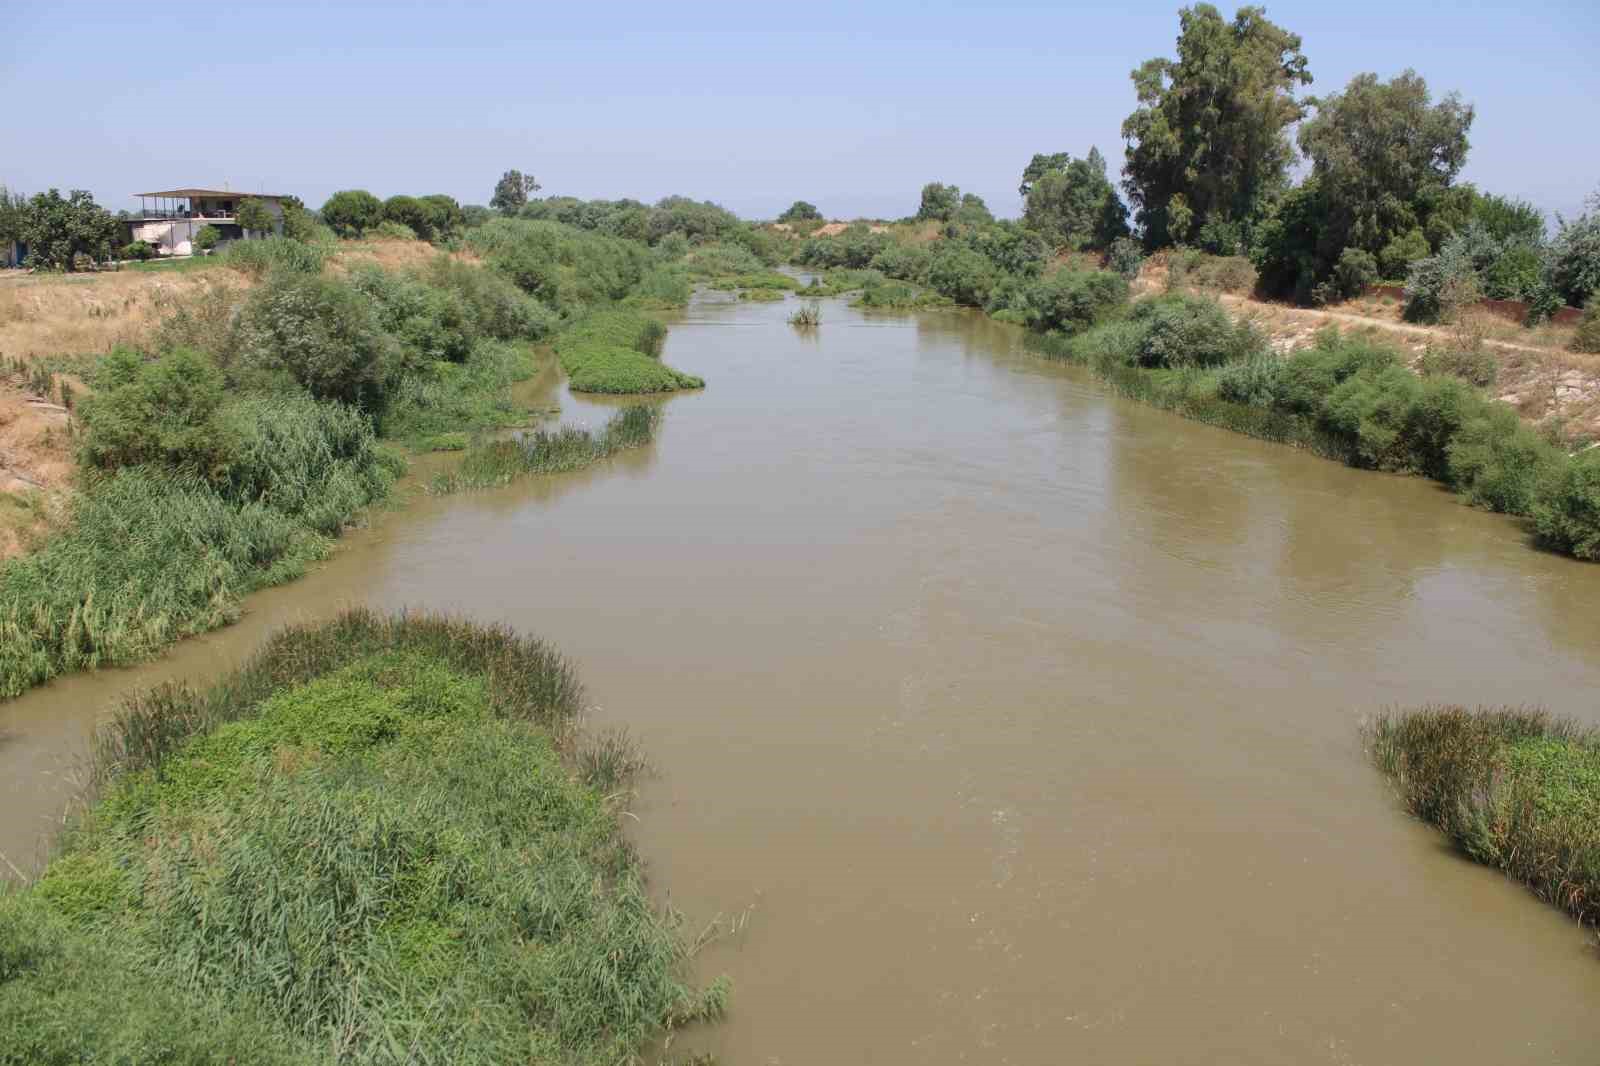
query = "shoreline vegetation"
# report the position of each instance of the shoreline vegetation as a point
(382, 838)
(1514, 789)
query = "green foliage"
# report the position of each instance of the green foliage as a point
(497, 307)
(1209, 137)
(511, 192)
(1471, 362)
(1499, 462)
(352, 212)
(324, 334)
(141, 250)
(254, 216)
(1355, 270)
(807, 317)
(1396, 257)
(699, 221)
(1188, 331)
(853, 249)
(566, 268)
(907, 262)
(1439, 286)
(964, 275)
(207, 239)
(1252, 381)
(1073, 300)
(615, 352)
(559, 451)
(1509, 220)
(1573, 269)
(1515, 273)
(392, 231)
(13, 208)
(412, 213)
(162, 413)
(1587, 338)
(372, 803)
(1514, 788)
(800, 211)
(430, 323)
(259, 258)
(1309, 375)
(1567, 516)
(63, 231)
(1124, 257)
(939, 202)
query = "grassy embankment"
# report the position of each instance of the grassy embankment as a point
(227, 442)
(1515, 789)
(381, 840)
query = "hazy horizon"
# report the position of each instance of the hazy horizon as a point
(852, 108)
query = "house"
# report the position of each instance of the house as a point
(169, 219)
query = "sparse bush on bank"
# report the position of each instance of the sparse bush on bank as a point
(395, 806)
(1515, 789)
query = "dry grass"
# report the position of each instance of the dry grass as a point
(391, 254)
(54, 315)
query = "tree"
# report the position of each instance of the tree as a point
(1209, 137)
(1073, 204)
(323, 334)
(58, 229)
(161, 413)
(800, 211)
(256, 217)
(412, 212)
(444, 216)
(298, 223)
(939, 202)
(12, 207)
(208, 238)
(1573, 267)
(511, 191)
(1384, 156)
(351, 212)
(1039, 166)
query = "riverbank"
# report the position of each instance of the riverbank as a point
(379, 834)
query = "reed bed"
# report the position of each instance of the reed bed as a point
(381, 840)
(1516, 789)
(555, 451)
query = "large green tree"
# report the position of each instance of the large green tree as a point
(12, 207)
(1071, 203)
(351, 212)
(58, 229)
(1385, 155)
(512, 191)
(1208, 142)
(800, 211)
(254, 215)
(939, 202)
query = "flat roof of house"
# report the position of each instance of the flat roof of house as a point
(221, 194)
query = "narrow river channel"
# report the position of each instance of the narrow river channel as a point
(1019, 722)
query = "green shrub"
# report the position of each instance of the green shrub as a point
(208, 238)
(1573, 267)
(161, 413)
(906, 262)
(444, 397)
(1191, 331)
(418, 217)
(1125, 256)
(1353, 273)
(1252, 381)
(1587, 339)
(257, 258)
(1474, 363)
(1567, 516)
(1072, 300)
(1515, 274)
(1370, 410)
(352, 212)
(141, 250)
(1310, 375)
(606, 352)
(391, 230)
(323, 334)
(497, 307)
(1396, 257)
(1499, 462)
(432, 323)
(962, 274)
(556, 451)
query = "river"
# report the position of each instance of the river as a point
(1017, 723)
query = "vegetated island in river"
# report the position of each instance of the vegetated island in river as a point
(1515, 789)
(382, 839)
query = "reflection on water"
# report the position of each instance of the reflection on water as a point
(1024, 717)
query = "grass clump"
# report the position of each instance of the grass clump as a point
(554, 451)
(618, 352)
(807, 317)
(380, 840)
(257, 258)
(444, 397)
(1515, 789)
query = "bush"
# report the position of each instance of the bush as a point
(1181, 331)
(1125, 257)
(257, 258)
(1497, 461)
(1573, 268)
(1515, 274)
(142, 250)
(442, 399)
(1354, 272)
(391, 230)
(1587, 339)
(1072, 300)
(352, 212)
(208, 238)
(162, 413)
(905, 262)
(323, 334)
(1473, 363)
(961, 274)
(1252, 381)
(1395, 260)
(1309, 375)
(494, 303)
(1567, 516)
(433, 324)
(606, 353)
(416, 216)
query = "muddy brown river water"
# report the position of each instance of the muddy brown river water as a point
(1019, 722)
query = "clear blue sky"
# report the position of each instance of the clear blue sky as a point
(851, 105)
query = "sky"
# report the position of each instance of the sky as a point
(852, 106)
